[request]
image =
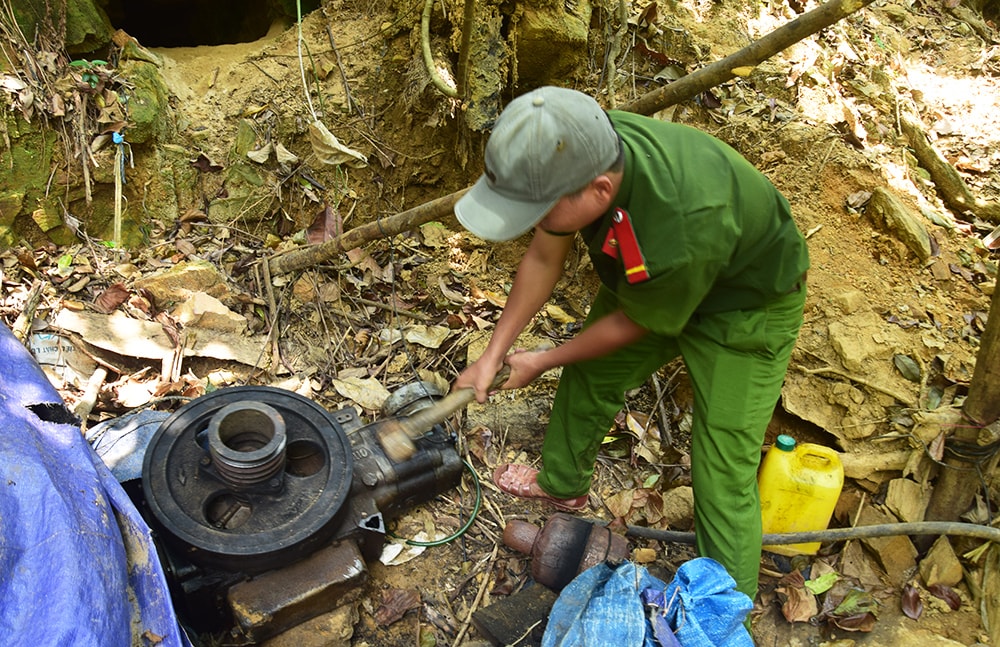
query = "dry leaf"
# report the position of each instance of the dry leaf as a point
(193, 215)
(205, 165)
(936, 447)
(480, 442)
(285, 156)
(653, 509)
(559, 315)
(363, 260)
(113, 296)
(911, 603)
(133, 394)
(434, 234)
(368, 393)
(863, 622)
(499, 300)
(947, 594)
(504, 582)
(395, 604)
(427, 336)
(27, 260)
(325, 226)
(186, 247)
(800, 605)
(620, 503)
(329, 150)
(644, 555)
(262, 154)
(451, 295)
(170, 326)
(648, 15)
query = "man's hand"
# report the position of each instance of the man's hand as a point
(479, 375)
(525, 366)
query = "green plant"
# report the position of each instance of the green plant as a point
(89, 74)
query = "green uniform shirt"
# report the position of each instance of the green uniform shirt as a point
(715, 234)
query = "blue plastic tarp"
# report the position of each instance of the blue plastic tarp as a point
(77, 564)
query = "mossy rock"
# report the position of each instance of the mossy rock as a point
(249, 197)
(87, 26)
(552, 42)
(25, 167)
(10, 206)
(150, 116)
(26, 164)
(98, 218)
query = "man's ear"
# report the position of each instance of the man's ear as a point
(604, 187)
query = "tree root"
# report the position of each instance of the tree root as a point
(950, 186)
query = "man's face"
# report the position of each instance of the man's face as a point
(574, 212)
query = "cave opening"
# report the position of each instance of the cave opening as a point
(193, 23)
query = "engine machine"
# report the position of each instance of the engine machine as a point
(266, 506)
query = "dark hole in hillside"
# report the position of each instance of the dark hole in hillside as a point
(191, 23)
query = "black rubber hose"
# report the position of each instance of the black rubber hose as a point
(839, 534)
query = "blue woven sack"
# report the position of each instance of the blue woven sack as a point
(625, 606)
(601, 607)
(701, 606)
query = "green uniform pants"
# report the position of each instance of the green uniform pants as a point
(736, 362)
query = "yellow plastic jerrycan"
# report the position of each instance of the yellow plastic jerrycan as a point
(799, 487)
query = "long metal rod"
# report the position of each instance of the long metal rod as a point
(839, 534)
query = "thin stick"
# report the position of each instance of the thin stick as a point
(119, 170)
(89, 398)
(664, 421)
(525, 634)
(84, 151)
(479, 597)
(854, 521)
(273, 307)
(302, 67)
(351, 105)
(22, 325)
(386, 306)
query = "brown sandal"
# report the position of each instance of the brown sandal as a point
(521, 481)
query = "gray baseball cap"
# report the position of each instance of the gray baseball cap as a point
(546, 144)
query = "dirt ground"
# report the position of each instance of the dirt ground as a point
(821, 119)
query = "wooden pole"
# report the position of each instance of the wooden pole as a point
(956, 486)
(983, 402)
(680, 90)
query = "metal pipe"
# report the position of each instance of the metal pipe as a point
(839, 534)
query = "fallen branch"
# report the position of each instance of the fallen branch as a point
(298, 259)
(975, 21)
(949, 184)
(750, 56)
